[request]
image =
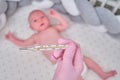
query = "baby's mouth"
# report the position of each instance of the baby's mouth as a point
(42, 24)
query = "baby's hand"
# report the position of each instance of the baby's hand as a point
(53, 13)
(9, 36)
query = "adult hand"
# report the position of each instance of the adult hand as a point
(70, 63)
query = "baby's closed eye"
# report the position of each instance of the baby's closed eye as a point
(35, 20)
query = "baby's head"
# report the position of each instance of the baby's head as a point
(38, 20)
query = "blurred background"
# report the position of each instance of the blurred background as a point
(113, 5)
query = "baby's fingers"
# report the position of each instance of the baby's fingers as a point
(57, 55)
(52, 12)
(7, 36)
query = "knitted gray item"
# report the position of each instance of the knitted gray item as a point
(59, 8)
(116, 36)
(3, 6)
(23, 3)
(77, 19)
(88, 12)
(109, 20)
(56, 1)
(12, 7)
(2, 21)
(39, 0)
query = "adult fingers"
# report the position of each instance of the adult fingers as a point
(57, 55)
(69, 52)
(78, 61)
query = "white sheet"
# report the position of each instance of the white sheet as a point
(27, 65)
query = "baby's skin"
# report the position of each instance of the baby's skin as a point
(49, 34)
(46, 33)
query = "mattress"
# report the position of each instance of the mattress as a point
(28, 65)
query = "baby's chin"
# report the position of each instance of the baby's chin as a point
(42, 29)
(39, 28)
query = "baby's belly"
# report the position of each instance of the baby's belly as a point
(49, 41)
(49, 53)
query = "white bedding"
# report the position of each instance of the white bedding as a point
(28, 65)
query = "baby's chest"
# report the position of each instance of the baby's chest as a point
(47, 38)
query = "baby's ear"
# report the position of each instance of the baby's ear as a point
(31, 27)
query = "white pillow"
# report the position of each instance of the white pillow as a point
(2, 20)
(71, 7)
(45, 4)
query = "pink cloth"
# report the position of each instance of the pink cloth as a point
(70, 61)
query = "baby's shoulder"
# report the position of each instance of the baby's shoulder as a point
(34, 35)
(54, 27)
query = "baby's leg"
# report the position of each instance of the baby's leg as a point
(48, 55)
(81, 78)
(97, 69)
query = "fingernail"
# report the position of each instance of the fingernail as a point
(53, 58)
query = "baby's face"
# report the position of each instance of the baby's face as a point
(38, 21)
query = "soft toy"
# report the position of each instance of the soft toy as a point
(2, 20)
(43, 4)
(109, 20)
(3, 7)
(9, 7)
(100, 18)
(12, 7)
(82, 12)
(23, 3)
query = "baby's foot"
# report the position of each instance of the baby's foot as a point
(109, 74)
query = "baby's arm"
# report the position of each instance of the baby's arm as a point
(19, 42)
(63, 24)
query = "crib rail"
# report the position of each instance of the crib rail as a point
(114, 3)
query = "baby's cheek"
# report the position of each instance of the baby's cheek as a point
(43, 28)
(46, 20)
(36, 25)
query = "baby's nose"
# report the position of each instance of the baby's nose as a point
(40, 20)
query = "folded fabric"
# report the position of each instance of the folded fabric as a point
(60, 8)
(108, 19)
(12, 7)
(88, 12)
(2, 20)
(77, 19)
(24, 3)
(44, 4)
(3, 6)
(56, 1)
(116, 36)
(71, 7)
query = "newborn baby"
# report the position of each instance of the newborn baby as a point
(49, 34)
(46, 33)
